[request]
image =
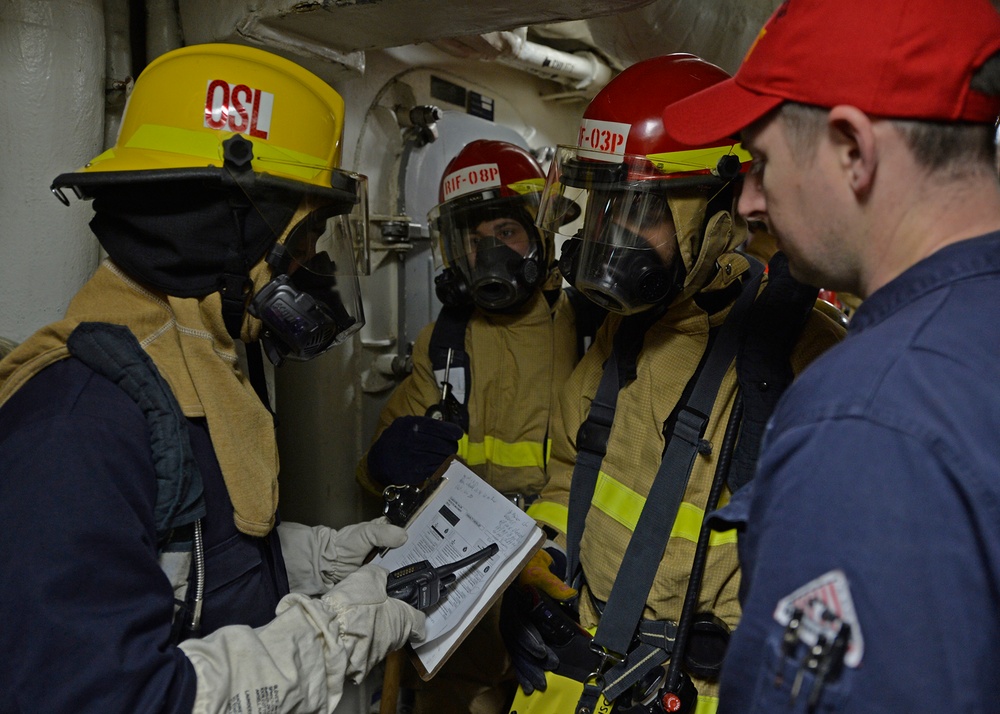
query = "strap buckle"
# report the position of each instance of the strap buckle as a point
(593, 436)
(609, 659)
(690, 426)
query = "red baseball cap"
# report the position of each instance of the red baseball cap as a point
(906, 59)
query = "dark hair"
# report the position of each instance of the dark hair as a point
(804, 123)
(955, 147)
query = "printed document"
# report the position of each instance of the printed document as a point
(462, 516)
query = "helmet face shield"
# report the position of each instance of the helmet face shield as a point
(484, 228)
(626, 250)
(564, 199)
(628, 256)
(640, 188)
(313, 300)
(334, 225)
(493, 246)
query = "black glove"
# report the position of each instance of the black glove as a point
(541, 635)
(528, 652)
(411, 449)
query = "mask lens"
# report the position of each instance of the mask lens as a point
(493, 245)
(630, 218)
(325, 271)
(628, 250)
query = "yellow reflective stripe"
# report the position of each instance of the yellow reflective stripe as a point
(618, 500)
(706, 705)
(103, 156)
(207, 145)
(150, 137)
(555, 514)
(624, 505)
(530, 185)
(522, 454)
(723, 537)
(696, 159)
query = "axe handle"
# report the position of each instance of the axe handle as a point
(390, 682)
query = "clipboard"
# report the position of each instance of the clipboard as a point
(461, 514)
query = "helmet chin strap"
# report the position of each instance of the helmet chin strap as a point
(235, 283)
(236, 286)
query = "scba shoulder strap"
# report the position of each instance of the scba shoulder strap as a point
(113, 352)
(588, 315)
(447, 345)
(684, 443)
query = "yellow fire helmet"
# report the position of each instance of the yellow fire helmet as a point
(188, 102)
(267, 134)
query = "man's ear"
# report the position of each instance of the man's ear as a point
(852, 134)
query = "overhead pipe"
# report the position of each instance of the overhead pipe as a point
(260, 33)
(580, 70)
(583, 72)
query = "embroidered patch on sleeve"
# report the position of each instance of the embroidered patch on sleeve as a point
(822, 605)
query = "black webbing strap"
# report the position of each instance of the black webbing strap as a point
(648, 542)
(588, 315)
(258, 379)
(113, 352)
(641, 659)
(592, 437)
(449, 334)
(591, 446)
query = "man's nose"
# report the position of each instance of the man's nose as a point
(751, 204)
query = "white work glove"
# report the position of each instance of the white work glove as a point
(298, 662)
(371, 622)
(317, 557)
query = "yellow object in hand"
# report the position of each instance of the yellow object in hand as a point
(537, 573)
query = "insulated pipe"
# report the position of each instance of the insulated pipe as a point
(163, 28)
(581, 70)
(52, 118)
(118, 67)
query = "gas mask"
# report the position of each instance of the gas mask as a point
(494, 255)
(626, 258)
(501, 277)
(312, 301)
